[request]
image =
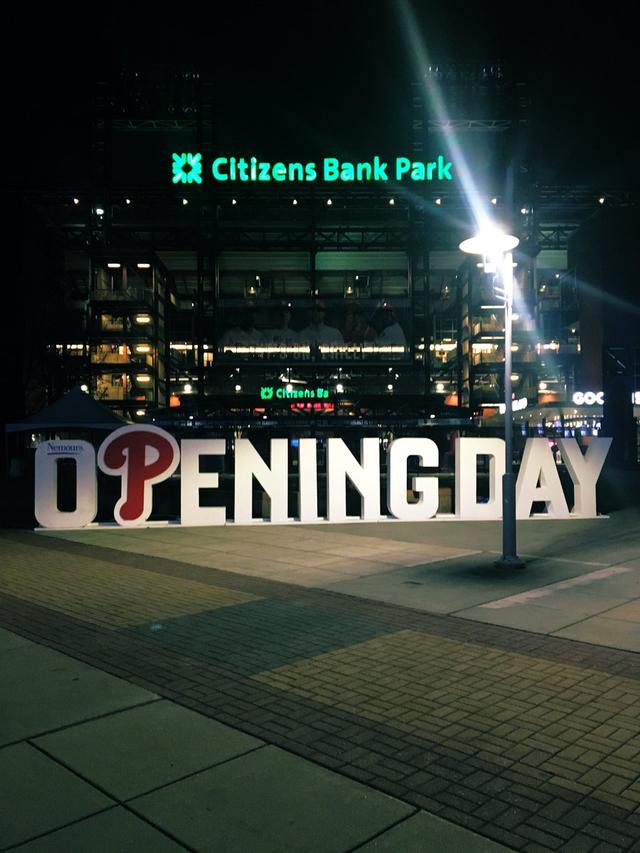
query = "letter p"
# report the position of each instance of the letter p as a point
(140, 456)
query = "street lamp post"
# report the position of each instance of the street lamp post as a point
(496, 250)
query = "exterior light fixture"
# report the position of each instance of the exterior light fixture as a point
(340, 388)
(494, 201)
(185, 201)
(289, 386)
(438, 201)
(495, 247)
(238, 387)
(143, 348)
(392, 201)
(601, 200)
(187, 388)
(389, 387)
(140, 413)
(492, 244)
(143, 266)
(76, 201)
(84, 388)
(143, 377)
(329, 202)
(233, 201)
(127, 201)
(99, 211)
(542, 386)
(439, 387)
(143, 319)
(294, 202)
(114, 266)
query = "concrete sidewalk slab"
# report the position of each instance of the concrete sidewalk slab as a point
(548, 609)
(113, 831)
(424, 832)
(43, 690)
(453, 585)
(628, 612)
(9, 641)
(135, 751)
(604, 631)
(526, 617)
(268, 802)
(38, 795)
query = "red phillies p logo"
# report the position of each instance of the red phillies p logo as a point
(141, 456)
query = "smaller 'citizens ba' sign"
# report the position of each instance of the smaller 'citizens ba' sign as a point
(187, 168)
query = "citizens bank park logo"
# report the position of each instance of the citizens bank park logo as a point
(143, 456)
(188, 168)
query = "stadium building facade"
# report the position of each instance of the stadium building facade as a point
(304, 307)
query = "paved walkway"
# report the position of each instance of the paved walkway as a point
(90, 762)
(527, 739)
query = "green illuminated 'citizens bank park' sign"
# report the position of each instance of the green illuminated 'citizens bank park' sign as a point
(189, 169)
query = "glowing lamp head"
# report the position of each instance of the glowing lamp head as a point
(492, 243)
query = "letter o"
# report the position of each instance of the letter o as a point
(46, 484)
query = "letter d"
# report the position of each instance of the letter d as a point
(140, 456)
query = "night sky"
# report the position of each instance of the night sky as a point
(295, 79)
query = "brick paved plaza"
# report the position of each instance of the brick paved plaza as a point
(338, 645)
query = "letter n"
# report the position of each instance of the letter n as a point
(274, 480)
(365, 476)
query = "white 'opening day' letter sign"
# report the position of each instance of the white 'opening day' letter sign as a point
(142, 456)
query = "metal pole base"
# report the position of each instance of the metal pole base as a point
(509, 563)
(510, 558)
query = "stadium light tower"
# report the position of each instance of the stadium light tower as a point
(496, 249)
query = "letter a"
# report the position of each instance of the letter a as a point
(539, 481)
